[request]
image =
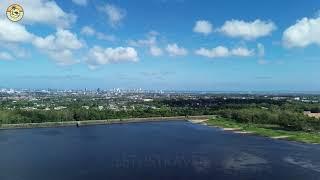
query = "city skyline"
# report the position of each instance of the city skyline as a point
(162, 44)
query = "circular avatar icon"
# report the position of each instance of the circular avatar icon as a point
(15, 12)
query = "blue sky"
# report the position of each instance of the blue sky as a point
(219, 45)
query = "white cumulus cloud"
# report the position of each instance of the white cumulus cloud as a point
(14, 32)
(12, 36)
(305, 32)
(63, 57)
(43, 12)
(221, 51)
(100, 56)
(59, 46)
(150, 41)
(155, 51)
(203, 26)
(63, 39)
(241, 51)
(89, 31)
(80, 2)
(114, 14)
(247, 30)
(175, 50)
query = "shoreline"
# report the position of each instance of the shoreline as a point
(206, 120)
(258, 130)
(192, 119)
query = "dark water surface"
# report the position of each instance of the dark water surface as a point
(157, 150)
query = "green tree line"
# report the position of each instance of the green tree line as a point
(284, 118)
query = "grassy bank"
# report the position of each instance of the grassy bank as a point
(272, 131)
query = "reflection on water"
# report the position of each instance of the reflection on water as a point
(157, 150)
(245, 162)
(305, 163)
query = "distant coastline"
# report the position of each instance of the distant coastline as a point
(101, 122)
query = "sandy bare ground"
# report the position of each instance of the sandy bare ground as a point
(310, 114)
(198, 121)
(280, 137)
(231, 129)
(243, 132)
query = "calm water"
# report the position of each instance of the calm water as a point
(158, 150)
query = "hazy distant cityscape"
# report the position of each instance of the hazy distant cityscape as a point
(125, 99)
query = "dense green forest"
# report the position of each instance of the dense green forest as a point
(261, 111)
(35, 116)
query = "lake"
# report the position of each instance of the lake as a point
(155, 150)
